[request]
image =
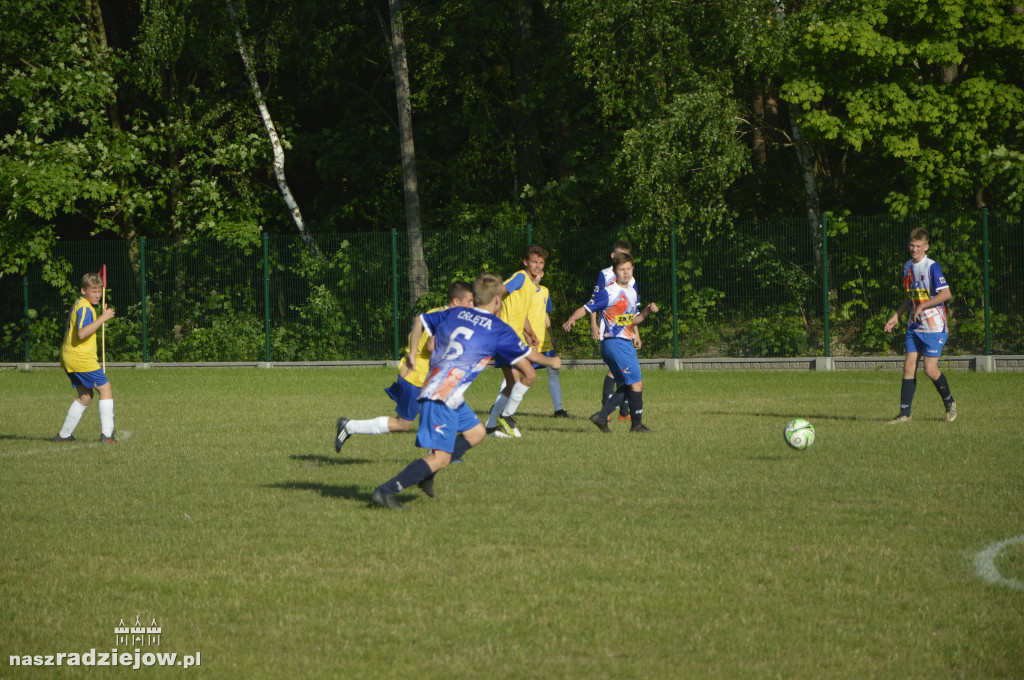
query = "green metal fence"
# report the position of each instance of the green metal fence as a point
(784, 287)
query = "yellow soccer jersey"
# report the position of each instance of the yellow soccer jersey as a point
(79, 356)
(516, 305)
(540, 307)
(419, 374)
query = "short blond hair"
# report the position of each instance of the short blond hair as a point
(919, 234)
(92, 280)
(485, 288)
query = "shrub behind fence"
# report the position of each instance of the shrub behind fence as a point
(782, 287)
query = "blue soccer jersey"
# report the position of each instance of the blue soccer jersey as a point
(922, 281)
(618, 306)
(606, 278)
(464, 341)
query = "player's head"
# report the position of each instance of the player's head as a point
(487, 291)
(460, 294)
(92, 287)
(918, 243)
(534, 259)
(622, 265)
(621, 247)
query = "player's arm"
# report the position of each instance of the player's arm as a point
(528, 334)
(551, 336)
(414, 341)
(90, 328)
(648, 310)
(940, 297)
(895, 318)
(573, 318)
(595, 328)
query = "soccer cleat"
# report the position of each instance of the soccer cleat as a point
(64, 440)
(899, 420)
(643, 429)
(601, 423)
(951, 411)
(495, 432)
(507, 424)
(515, 428)
(427, 485)
(107, 440)
(504, 426)
(562, 413)
(626, 417)
(342, 434)
(386, 500)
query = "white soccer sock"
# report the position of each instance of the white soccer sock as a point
(514, 399)
(107, 417)
(75, 412)
(492, 418)
(371, 426)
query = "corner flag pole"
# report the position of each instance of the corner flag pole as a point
(103, 328)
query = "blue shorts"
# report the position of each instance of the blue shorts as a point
(404, 394)
(88, 380)
(549, 353)
(620, 355)
(928, 344)
(439, 425)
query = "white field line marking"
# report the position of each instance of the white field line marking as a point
(76, 445)
(985, 564)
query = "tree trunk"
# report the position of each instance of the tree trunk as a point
(275, 140)
(124, 219)
(803, 154)
(757, 127)
(419, 282)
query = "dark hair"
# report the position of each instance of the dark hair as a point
(619, 259)
(458, 290)
(623, 246)
(535, 250)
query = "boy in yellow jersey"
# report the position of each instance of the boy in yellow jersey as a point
(540, 319)
(406, 388)
(519, 290)
(78, 359)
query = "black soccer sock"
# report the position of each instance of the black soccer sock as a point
(943, 388)
(907, 395)
(614, 401)
(607, 389)
(461, 446)
(414, 473)
(636, 406)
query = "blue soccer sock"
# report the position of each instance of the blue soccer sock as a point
(907, 395)
(943, 387)
(614, 402)
(555, 388)
(461, 446)
(635, 399)
(414, 473)
(607, 389)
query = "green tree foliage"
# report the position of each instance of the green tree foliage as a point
(925, 91)
(131, 137)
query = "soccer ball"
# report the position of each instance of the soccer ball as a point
(799, 433)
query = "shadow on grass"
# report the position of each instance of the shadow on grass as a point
(22, 437)
(349, 493)
(327, 460)
(790, 416)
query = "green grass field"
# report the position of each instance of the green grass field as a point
(706, 550)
